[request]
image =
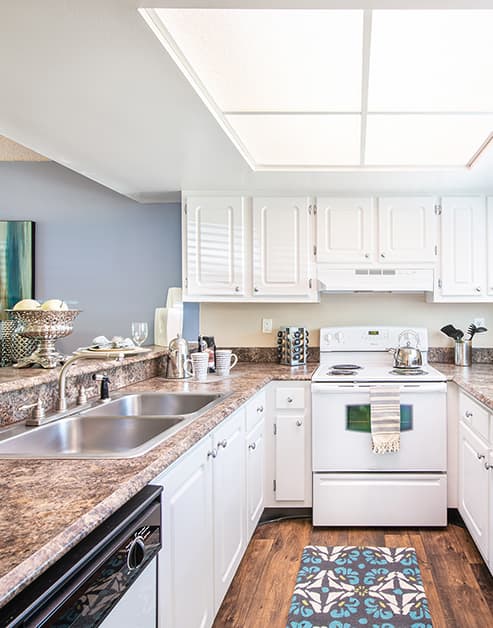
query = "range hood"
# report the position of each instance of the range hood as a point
(374, 279)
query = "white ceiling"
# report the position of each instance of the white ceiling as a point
(88, 85)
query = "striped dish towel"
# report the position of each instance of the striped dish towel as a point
(385, 416)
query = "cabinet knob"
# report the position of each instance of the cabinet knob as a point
(260, 409)
(478, 289)
(468, 414)
(367, 256)
(212, 453)
(255, 289)
(382, 255)
(289, 400)
(480, 456)
(223, 444)
(237, 288)
(252, 446)
(299, 423)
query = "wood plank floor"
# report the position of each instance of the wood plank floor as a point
(458, 584)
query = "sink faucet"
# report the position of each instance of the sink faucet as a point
(62, 400)
(104, 393)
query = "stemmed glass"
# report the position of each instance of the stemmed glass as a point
(139, 333)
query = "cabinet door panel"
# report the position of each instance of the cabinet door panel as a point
(185, 562)
(489, 244)
(473, 487)
(215, 246)
(229, 503)
(255, 476)
(281, 247)
(407, 229)
(344, 230)
(463, 247)
(290, 458)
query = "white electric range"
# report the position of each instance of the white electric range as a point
(351, 484)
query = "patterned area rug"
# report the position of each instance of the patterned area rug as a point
(357, 587)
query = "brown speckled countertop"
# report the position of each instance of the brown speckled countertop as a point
(477, 380)
(56, 503)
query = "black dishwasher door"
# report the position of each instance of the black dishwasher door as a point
(84, 586)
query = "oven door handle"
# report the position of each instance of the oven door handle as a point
(334, 389)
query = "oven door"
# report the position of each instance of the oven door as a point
(342, 429)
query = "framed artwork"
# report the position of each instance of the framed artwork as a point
(16, 261)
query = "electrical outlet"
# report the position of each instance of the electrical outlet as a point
(479, 322)
(267, 325)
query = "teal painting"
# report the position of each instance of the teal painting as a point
(16, 261)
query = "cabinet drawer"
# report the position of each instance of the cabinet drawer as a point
(287, 398)
(255, 410)
(474, 415)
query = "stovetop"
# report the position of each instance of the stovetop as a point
(360, 354)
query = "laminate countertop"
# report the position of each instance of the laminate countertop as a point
(48, 506)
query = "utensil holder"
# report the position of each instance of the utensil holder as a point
(463, 353)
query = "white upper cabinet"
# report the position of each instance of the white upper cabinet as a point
(281, 247)
(345, 230)
(407, 230)
(463, 247)
(215, 246)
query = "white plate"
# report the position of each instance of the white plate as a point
(93, 352)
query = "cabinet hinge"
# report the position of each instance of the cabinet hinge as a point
(275, 429)
(185, 209)
(310, 210)
(438, 210)
(186, 282)
(310, 284)
(439, 283)
(274, 485)
(436, 249)
(315, 210)
(315, 249)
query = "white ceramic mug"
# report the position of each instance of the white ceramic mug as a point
(225, 361)
(199, 362)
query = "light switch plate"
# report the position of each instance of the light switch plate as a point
(479, 322)
(267, 325)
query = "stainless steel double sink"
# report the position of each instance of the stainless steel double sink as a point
(124, 427)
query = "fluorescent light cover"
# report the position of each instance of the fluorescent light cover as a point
(272, 60)
(291, 140)
(425, 140)
(431, 61)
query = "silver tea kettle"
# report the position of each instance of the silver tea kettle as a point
(407, 356)
(177, 357)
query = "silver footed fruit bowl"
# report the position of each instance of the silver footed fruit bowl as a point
(44, 326)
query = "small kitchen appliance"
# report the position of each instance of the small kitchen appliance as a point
(352, 485)
(177, 359)
(292, 345)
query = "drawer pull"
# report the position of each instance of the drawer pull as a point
(468, 414)
(480, 456)
(260, 409)
(212, 453)
(299, 423)
(252, 446)
(223, 444)
(488, 466)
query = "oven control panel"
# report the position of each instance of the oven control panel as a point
(371, 338)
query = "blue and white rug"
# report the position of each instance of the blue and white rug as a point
(358, 587)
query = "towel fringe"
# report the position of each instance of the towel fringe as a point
(387, 445)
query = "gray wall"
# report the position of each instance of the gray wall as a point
(115, 257)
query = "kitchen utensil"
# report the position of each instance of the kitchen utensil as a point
(463, 353)
(459, 334)
(472, 330)
(199, 362)
(408, 356)
(225, 361)
(177, 357)
(449, 330)
(481, 330)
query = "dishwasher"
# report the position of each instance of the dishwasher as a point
(109, 579)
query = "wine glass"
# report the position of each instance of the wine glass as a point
(139, 333)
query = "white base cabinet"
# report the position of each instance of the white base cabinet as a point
(288, 479)
(213, 498)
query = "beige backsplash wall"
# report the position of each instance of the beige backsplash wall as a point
(239, 324)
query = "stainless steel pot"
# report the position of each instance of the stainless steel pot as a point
(407, 356)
